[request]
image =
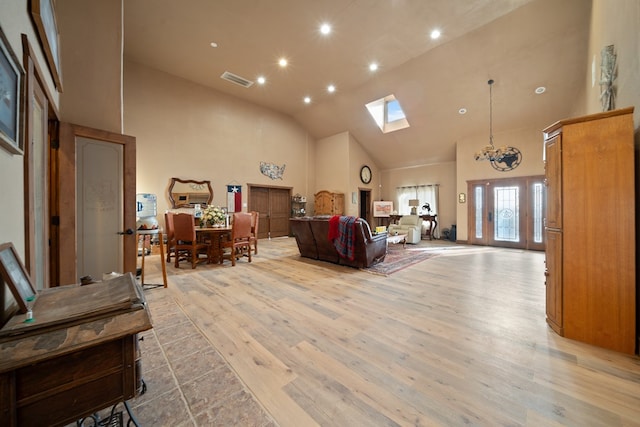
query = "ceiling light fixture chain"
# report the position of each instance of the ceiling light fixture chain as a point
(504, 158)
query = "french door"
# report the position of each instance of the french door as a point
(507, 212)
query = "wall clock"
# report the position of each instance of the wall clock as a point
(365, 174)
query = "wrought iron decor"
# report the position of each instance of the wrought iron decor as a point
(272, 170)
(503, 158)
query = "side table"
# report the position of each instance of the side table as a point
(433, 223)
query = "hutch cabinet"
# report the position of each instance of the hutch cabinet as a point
(590, 230)
(327, 203)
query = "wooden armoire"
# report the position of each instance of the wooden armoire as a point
(590, 230)
(328, 203)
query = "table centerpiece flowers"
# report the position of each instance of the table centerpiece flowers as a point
(213, 216)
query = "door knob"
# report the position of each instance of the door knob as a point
(127, 231)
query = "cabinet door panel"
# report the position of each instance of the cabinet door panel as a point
(553, 281)
(553, 168)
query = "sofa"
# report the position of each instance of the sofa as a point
(312, 237)
(411, 225)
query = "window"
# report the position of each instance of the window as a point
(427, 193)
(388, 114)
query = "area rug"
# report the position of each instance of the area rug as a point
(399, 258)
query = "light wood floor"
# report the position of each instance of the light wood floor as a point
(457, 339)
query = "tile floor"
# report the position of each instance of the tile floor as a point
(188, 382)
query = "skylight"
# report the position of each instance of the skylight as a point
(388, 114)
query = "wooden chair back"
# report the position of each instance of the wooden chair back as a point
(255, 219)
(168, 225)
(183, 229)
(240, 242)
(184, 234)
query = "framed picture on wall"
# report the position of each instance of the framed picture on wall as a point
(382, 209)
(11, 79)
(16, 277)
(44, 18)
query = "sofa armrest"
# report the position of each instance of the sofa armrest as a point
(379, 237)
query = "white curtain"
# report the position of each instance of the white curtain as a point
(427, 193)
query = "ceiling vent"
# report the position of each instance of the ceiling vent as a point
(236, 79)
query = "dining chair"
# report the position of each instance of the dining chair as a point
(240, 240)
(255, 218)
(186, 243)
(168, 225)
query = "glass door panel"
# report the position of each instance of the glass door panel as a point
(507, 214)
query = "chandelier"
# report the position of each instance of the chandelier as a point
(503, 158)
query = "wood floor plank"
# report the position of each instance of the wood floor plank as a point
(457, 339)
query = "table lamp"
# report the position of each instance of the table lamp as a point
(414, 203)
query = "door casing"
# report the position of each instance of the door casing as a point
(527, 223)
(66, 198)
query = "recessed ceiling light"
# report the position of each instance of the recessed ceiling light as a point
(435, 34)
(213, 44)
(307, 99)
(462, 111)
(540, 90)
(325, 29)
(283, 62)
(331, 88)
(261, 80)
(373, 66)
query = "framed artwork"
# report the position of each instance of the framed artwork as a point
(16, 277)
(44, 18)
(382, 209)
(11, 79)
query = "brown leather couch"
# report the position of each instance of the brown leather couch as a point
(312, 233)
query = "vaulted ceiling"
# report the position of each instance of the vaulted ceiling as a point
(521, 44)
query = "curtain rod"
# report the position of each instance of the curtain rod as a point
(417, 186)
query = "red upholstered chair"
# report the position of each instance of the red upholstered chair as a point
(186, 245)
(240, 241)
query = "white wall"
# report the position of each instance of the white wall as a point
(91, 37)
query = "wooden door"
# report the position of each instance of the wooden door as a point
(323, 203)
(96, 203)
(365, 206)
(259, 202)
(274, 206)
(280, 212)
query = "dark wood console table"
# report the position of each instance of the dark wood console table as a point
(77, 356)
(433, 223)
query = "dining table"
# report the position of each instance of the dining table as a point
(213, 236)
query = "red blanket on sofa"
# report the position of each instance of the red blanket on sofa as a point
(342, 234)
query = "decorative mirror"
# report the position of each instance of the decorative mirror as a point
(186, 193)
